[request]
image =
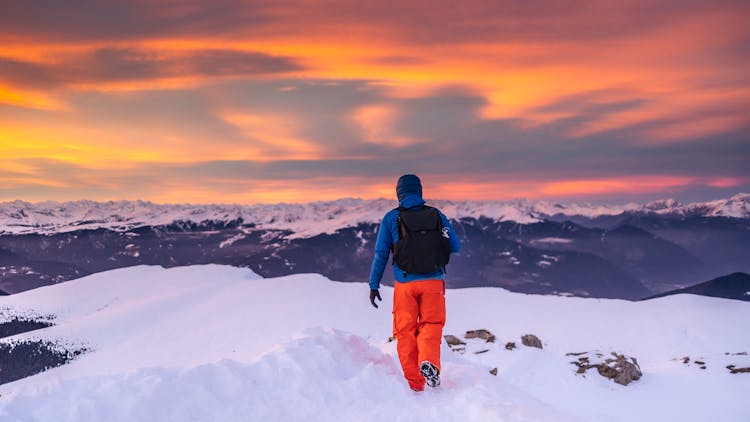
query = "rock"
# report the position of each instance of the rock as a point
(695, 362)
(620, 369)
(510, 345)
(734, 370)
(453, 340)
(493, 371)
(531, 340)
(481, 333)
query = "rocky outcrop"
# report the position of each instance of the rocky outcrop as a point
(453, 340)
(531, 340)
(735, 370)
(619, 368)
(458, 345)
(510, 345)
(481, 333)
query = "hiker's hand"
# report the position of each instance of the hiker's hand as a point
(375, 294)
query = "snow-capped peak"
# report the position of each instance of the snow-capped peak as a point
(309, 219)
(662, 205)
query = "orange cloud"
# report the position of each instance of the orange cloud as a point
(272, 136)
(147, 84)
(377, 122)
(625, 185)
(30, 99)
(726, 182)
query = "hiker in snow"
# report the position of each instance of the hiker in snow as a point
(421, 239)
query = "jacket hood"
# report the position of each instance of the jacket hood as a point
(409, 191)
(407, 184)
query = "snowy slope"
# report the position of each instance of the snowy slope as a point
(220, 343)
(309, 219)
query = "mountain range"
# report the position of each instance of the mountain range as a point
(732, 286)
(630, 251)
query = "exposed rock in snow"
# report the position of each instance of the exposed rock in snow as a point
(531, 340)
(734, 370)
(482, 334)
(620, 369)
(453, 340)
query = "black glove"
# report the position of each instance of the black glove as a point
(374, 294)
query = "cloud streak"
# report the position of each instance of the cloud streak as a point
(106, 65)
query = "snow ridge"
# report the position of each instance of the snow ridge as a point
(309, 219)
(220, 343)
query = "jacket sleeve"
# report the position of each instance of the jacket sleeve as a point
(382, 251)
(452, 236)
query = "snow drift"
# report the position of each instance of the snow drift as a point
(220, 343)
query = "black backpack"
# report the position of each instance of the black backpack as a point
(423, 245)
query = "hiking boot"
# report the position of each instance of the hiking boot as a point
(430, 372)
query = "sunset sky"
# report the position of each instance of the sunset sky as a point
(289, 101)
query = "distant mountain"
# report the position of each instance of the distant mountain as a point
(486, 259)
(721, 242)
(659, 263)
(627, 252)
(310, 219)
(732, 286)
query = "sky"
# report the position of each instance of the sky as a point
(295, 101)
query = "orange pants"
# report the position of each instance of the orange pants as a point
(418, 320)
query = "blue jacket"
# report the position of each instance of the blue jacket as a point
(388, 236)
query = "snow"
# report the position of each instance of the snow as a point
(544, 263)
(309, 378)
(231, 240)
(220, 343)
(552, 240)
(310, 219)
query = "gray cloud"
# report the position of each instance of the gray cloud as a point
(419, 22)
(120, 64)
(131, 20)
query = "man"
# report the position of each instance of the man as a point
(422, 239)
